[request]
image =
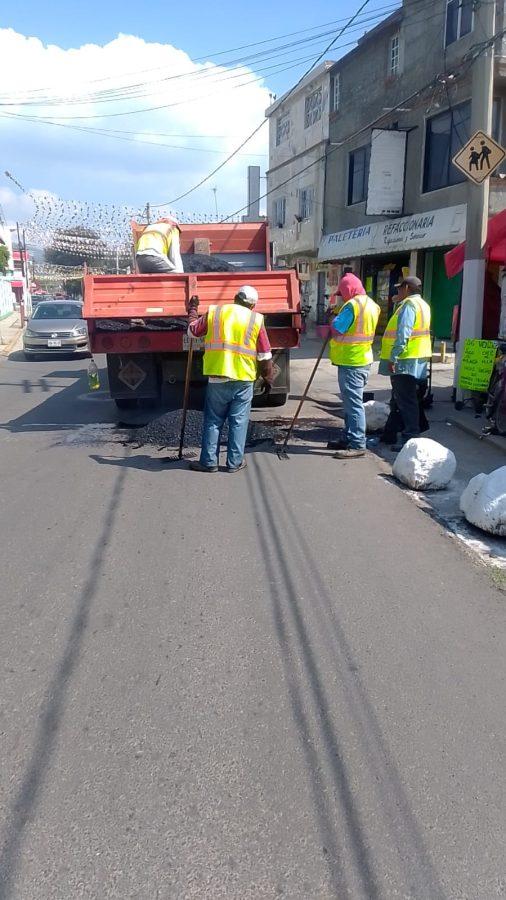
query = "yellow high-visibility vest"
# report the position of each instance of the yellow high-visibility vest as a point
(156, 237)
(419, 345)
(231, 342)
(355, 347)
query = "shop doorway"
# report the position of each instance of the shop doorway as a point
(442, 292)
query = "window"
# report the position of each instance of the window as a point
(446, 134)
(306, 203)
(336, 92)
(395, 55)
(282, 128)
(358, 175)
(313, 108)
(279, 212)
(459, 20)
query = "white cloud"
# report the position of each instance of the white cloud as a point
(87, 166)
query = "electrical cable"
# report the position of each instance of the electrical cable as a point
(257, 129)
(208, 56)
(376, 121)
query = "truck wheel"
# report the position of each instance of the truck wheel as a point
(149, 402)
(276, 399)
(126, 403)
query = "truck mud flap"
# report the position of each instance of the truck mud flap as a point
(133, 376)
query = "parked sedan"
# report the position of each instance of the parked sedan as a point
(56, 326)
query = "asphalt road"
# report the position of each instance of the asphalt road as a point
(285, 683)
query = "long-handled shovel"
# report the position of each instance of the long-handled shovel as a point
(282, 453)
(186, 398)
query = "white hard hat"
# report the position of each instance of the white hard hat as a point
(248, 294)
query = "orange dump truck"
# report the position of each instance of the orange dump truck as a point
(139, 321)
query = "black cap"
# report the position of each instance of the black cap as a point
(410, 281)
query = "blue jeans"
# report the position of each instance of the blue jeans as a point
(352, 381)
(226, 401)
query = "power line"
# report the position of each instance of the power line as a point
(207, 75)
(210, 54)
(468, 58)
(128, 92)
(262, 123)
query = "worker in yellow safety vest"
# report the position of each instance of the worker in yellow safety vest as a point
(352, 335)
(405, 351)
(236, 350)
(157, 250)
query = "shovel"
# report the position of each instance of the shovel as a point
(169, 459)
(282, 452)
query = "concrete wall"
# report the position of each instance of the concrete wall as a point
(366, 89)
(304, 147)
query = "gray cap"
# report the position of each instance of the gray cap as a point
(410, 281)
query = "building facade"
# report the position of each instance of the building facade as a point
(393, 199)
(298, 137)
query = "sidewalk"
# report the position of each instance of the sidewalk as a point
(459, 431)
(11, 333)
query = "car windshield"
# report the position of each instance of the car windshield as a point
(57, 310)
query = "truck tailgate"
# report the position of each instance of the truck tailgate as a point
(150, 296)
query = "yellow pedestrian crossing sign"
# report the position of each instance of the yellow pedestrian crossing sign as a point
(479, 157)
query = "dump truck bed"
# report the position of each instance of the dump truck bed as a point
(152, 296)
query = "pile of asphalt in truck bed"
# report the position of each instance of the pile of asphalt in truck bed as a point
(165, 430)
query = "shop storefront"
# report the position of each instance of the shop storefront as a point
(382, 252)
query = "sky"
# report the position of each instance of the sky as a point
(168, 87)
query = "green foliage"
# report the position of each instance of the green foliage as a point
(4, 259)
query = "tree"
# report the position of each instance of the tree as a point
(90, 248)
(73, 287)
(4, 259)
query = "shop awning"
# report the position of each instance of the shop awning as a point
(495, 246)
(420, 231)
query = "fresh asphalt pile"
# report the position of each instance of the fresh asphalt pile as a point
(165, 430)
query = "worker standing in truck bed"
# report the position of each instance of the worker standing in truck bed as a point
(157, 251)
(236, 345)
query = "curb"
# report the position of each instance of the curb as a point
(491, 439)
(6, 349)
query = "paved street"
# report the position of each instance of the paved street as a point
(287, 683)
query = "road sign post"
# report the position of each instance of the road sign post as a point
(473, 285)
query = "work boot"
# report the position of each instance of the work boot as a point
(196, 466)
(350, 453)
(243, 465)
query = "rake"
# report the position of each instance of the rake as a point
(282, 452)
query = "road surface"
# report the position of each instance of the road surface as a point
(284, 683)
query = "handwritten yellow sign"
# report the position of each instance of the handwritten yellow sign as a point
(477, 364)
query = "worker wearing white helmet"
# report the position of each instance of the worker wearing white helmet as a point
(237, 349)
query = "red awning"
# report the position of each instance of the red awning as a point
(496, 246)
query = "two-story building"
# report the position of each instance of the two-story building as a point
(401, 109)
(298, 137)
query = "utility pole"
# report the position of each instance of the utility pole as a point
(473, 285)
(215, 192)
(148, 213)
(23, 272)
